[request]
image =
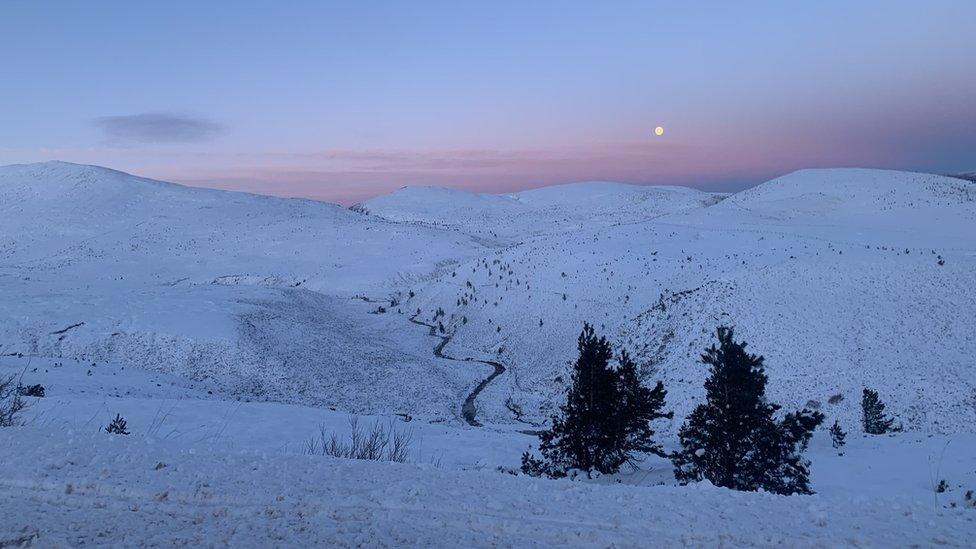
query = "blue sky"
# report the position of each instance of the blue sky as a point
(341, 101)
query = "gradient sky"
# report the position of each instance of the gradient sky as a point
(345, 100)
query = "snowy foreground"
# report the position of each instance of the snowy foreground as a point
(59, 488)
(203, 471)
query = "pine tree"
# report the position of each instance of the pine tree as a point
(873, 419)
(605, 421)
(117, 426)
(837, 435)
(638, 407)
(581, 436)
(733, 439)
(778, 465)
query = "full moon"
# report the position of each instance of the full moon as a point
(659, 130)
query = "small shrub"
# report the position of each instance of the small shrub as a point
(11, 402)
(117, 426)
(837, 435)
(535, 467)
(36, 390)
(377, 443)
(513, 407)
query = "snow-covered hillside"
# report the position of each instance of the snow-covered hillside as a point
(841, 278)
(250, 294)
(60, 217)
(515, 217)
(228, 328)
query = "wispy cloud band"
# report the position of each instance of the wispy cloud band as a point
(157, 127)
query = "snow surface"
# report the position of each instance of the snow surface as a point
(78, 489)
(199, 470)
(228, 328)
(505, 219)
(252, 293)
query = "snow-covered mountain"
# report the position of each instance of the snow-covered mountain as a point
(61, 216)
(252, 294)
(228, 328)
(841, 278)
(508, 218)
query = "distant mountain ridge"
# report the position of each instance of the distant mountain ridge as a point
(968, 176)
(545, 210)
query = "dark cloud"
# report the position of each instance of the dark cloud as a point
(157, 127)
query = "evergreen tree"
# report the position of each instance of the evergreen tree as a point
(778, 465)
(638, 407)
(837, 435)
(604, 422)
(117, 426)
(874, 420)
(733, 439)
(582, 435)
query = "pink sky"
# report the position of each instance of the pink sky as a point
(343, 101)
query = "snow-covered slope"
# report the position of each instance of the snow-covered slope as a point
(601, 195)
(196, 469)
(58, 215)
(547, 210)
(857, 205)
(250, 292)
(438, 205)
(841, 278)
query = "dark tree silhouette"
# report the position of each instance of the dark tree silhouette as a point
(873, 417)
(605, 421)
(117, 426)
(11, 402)
(734, 439)
(638, 407)
(837, 435)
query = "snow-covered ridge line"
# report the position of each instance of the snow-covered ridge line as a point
(508, 218)
(57, 176)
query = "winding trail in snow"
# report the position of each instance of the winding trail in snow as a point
(468, 408)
